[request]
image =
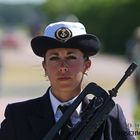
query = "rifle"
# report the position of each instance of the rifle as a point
(99, 107)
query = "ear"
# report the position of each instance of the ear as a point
(44, 67)
(43, 64)
(87, 65)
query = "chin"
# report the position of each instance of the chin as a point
(69, 87)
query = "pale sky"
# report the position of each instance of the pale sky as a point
(21, 1)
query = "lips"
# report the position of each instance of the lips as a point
(64, 78)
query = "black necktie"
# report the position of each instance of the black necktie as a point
(65, 131)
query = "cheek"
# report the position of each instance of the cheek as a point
(78, 77)
(77, 68)
(77, 72)
(49, 71)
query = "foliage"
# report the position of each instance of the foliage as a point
(137, 117)
(11, 15)
(112, 21)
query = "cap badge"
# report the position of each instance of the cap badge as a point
(63, 34)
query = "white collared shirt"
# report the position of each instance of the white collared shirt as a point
(57, 113)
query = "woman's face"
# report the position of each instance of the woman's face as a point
(65, 68)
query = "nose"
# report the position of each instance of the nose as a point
(63, 67)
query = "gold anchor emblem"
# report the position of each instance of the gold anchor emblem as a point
(63, 34)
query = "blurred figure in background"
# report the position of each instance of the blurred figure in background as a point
(133, 54)
(0, 68)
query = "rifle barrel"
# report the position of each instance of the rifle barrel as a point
(128, 72)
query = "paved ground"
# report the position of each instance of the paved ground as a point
(23, 78)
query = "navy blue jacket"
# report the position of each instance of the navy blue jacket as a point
(32, 119)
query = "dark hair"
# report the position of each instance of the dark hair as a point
(86, 56)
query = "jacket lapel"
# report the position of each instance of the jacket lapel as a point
(43, 119)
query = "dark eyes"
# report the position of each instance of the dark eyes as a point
(54, 58)
(71, 57)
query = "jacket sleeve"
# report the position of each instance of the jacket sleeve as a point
(124, 132)
(7, 128)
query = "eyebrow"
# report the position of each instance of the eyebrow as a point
(55, 53)
(70, 53)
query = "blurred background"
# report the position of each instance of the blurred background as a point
(116, 23)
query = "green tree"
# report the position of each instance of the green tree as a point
(112, 21)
